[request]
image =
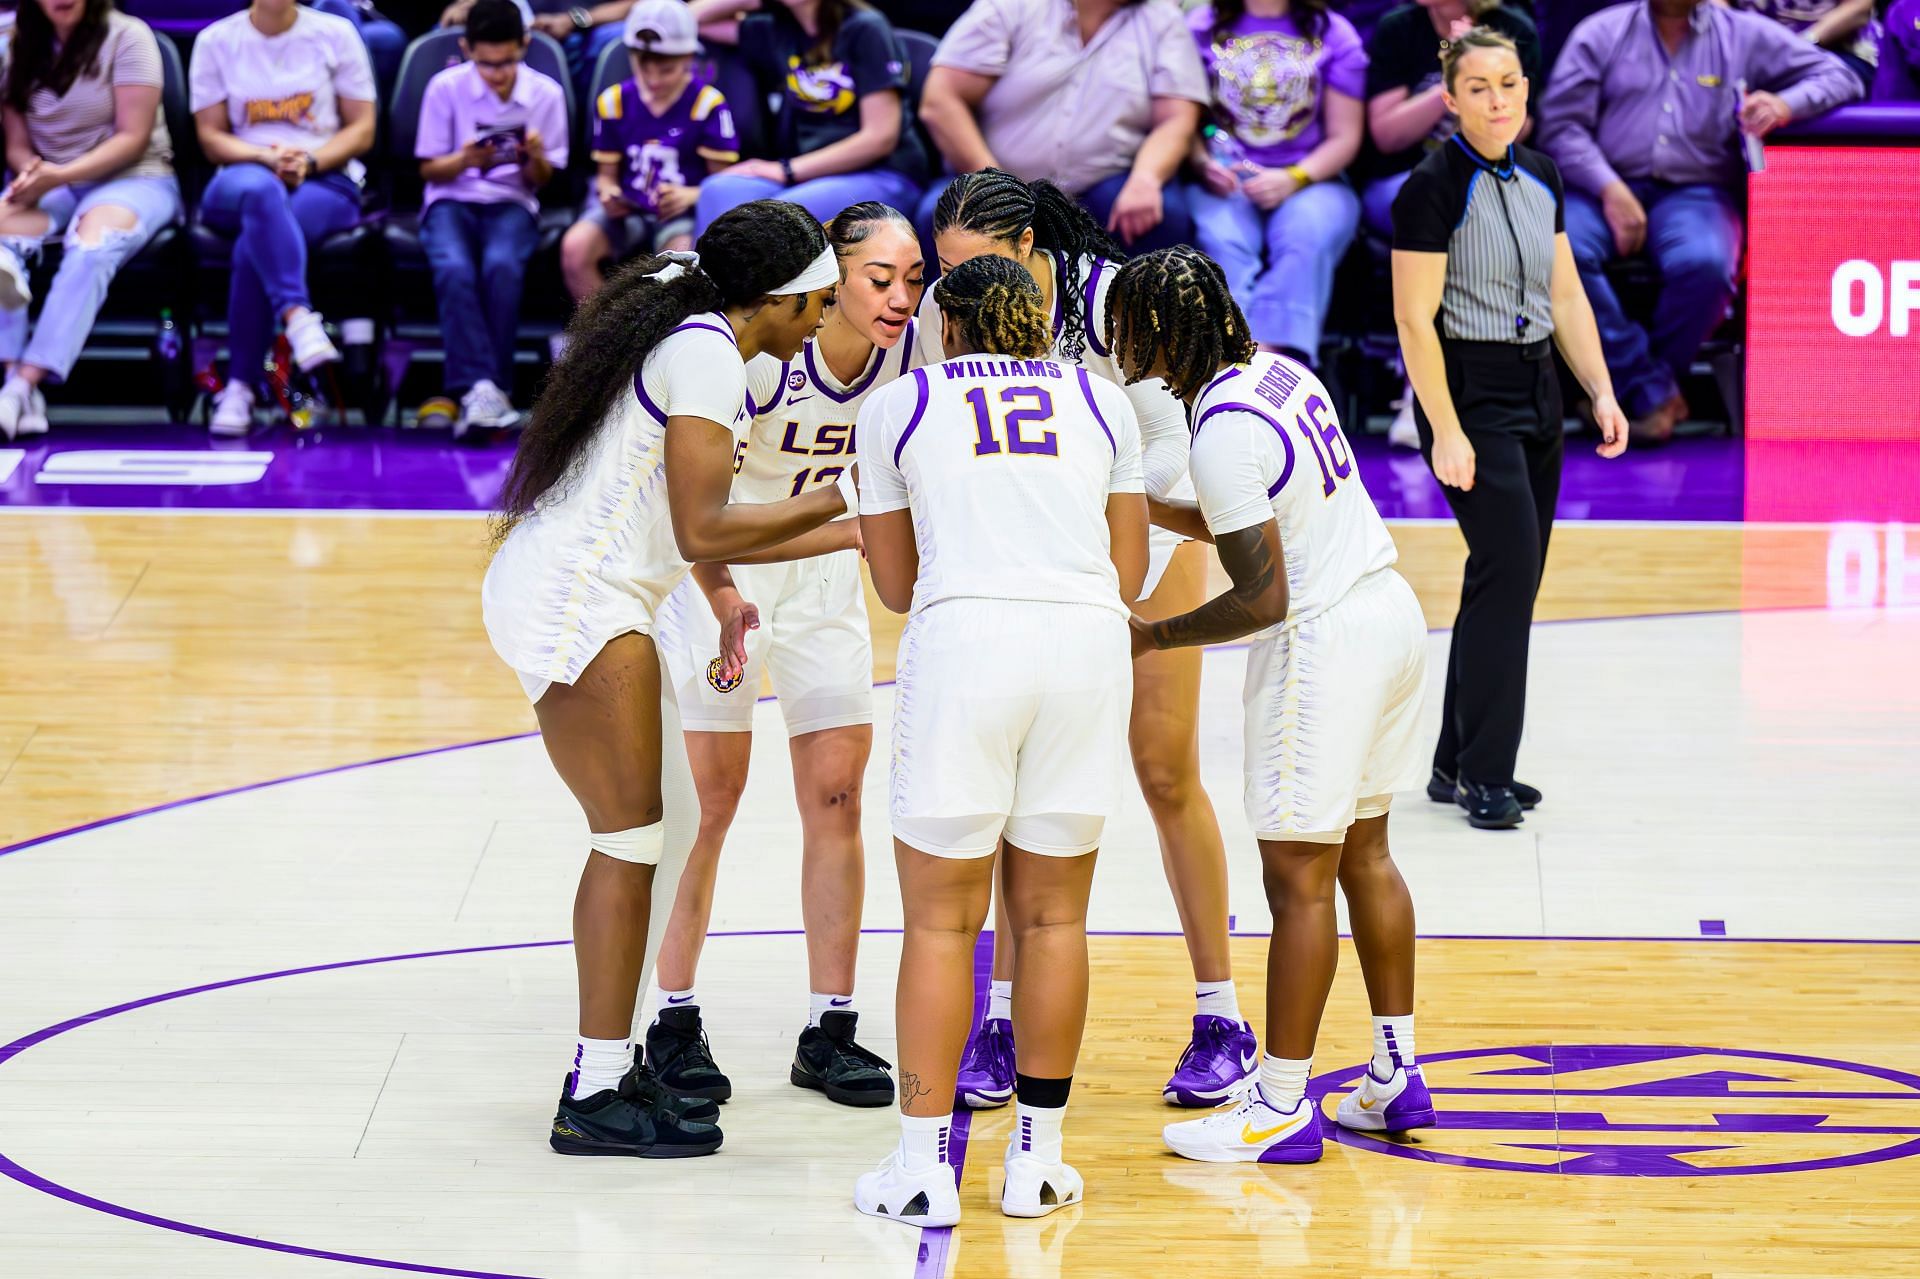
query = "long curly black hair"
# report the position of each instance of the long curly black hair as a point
(748, 250)
(1176, 302)
(998, 307)
(997, 204)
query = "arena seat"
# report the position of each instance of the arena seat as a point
(919, 48)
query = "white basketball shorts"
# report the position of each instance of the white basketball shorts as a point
(1333, 709)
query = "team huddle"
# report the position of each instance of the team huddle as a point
(1034, 449)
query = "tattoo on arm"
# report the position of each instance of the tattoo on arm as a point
(1249, 556)
(911, 1089)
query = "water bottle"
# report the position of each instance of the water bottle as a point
(1226, 150)
(167, 344)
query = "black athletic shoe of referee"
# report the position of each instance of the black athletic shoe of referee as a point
(828, 1060)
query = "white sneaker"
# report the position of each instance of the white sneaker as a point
(307, 335)
(16, 293)
(232, 410)
(16, 397)
(1403, 434)
(928, 1198)
(34, 420)
(486, 405)
(1035, 1187)
(1252, 1132)
(1397, 1104)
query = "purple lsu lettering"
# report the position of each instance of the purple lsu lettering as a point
(830, 439)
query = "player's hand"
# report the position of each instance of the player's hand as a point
(1453, 460)
(1142, 636)
(1626, 217)
(1218, 178)
(1762, 112)
(1137, 209)
(1612, 422)
(1269, 188)
(675, 200)
(740, 619)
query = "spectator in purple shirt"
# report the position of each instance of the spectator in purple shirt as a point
(1644, 115)
(1274, 208)
(492, 132)
(1843, 28)
(1898, 77)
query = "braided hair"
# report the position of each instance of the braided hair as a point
(856, 223)
(1175, 303)
(748, 250)
(997, 306)
(996, 204)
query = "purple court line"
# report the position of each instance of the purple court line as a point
(936, 1242)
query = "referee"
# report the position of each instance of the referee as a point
(1484, 284)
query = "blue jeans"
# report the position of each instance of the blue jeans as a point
(1376, 204)
(1176, 223)
(86, 269)
(822, 197)
(1279, 263)
(1693, 238)
(272, 229)
(479, 257)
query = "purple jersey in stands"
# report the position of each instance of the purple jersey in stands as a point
(672, 148)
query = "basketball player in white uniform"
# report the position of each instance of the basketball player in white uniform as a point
(1057, 241)
(1334, 681)
(620, 479)
(806, 621)
(1002, 505)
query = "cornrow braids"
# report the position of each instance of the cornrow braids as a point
(758, 246)
(1174, 303)
(997, 306)
(1000, 206)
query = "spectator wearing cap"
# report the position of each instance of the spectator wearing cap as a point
(655, 135)
(1274, 207)
(492, 132)
(1897, 78)
(1843, 28)
(1644, 114)
(1102, 97)
(836, 77)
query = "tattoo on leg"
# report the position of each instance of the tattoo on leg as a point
(911, 1089)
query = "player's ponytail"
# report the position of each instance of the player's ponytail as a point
(1175, 303)
(996, 306)
(747, 251)
(1000, 206)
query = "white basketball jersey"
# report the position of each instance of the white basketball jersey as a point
(1266, 445)
(1006, 465)
(803, 419)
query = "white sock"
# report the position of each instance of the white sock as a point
(923, 1140)
(599, 1064)
(818, 1003)
(1000, 1001)
(676, 999)
(1217, 999)
(1036, 1131)
(1392, 1044)
(1283, 1081)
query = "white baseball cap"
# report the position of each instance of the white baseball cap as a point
(665, 27)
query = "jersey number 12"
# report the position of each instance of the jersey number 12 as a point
(1011, 424)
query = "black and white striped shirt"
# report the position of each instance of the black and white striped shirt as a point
(1496, 223)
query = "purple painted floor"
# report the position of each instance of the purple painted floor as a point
(348, 468)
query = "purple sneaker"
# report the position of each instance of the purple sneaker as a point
(1217, 1065)
(1395, 1104)
(986, 1067)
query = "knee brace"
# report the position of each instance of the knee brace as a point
(642, 845)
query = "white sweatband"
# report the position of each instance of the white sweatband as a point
(642, 845)
(849, 491)
(678, 263)
(821, 273)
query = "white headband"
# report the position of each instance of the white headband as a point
(821, 273)
(677, 265)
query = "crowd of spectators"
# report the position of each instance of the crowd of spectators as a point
(1271, 133)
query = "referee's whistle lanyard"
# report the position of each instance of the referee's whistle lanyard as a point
(1503, 173)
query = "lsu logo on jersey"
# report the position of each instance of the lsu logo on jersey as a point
(722, 683)
(1653, 1110)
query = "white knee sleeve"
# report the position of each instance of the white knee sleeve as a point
(642, 845)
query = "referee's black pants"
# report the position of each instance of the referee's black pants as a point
(1507, 396)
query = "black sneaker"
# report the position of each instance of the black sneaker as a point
(828, 1061)
(678, 1052)
(1440, 789)
(645, 1088)
(615, 1122)
(1488, 807)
